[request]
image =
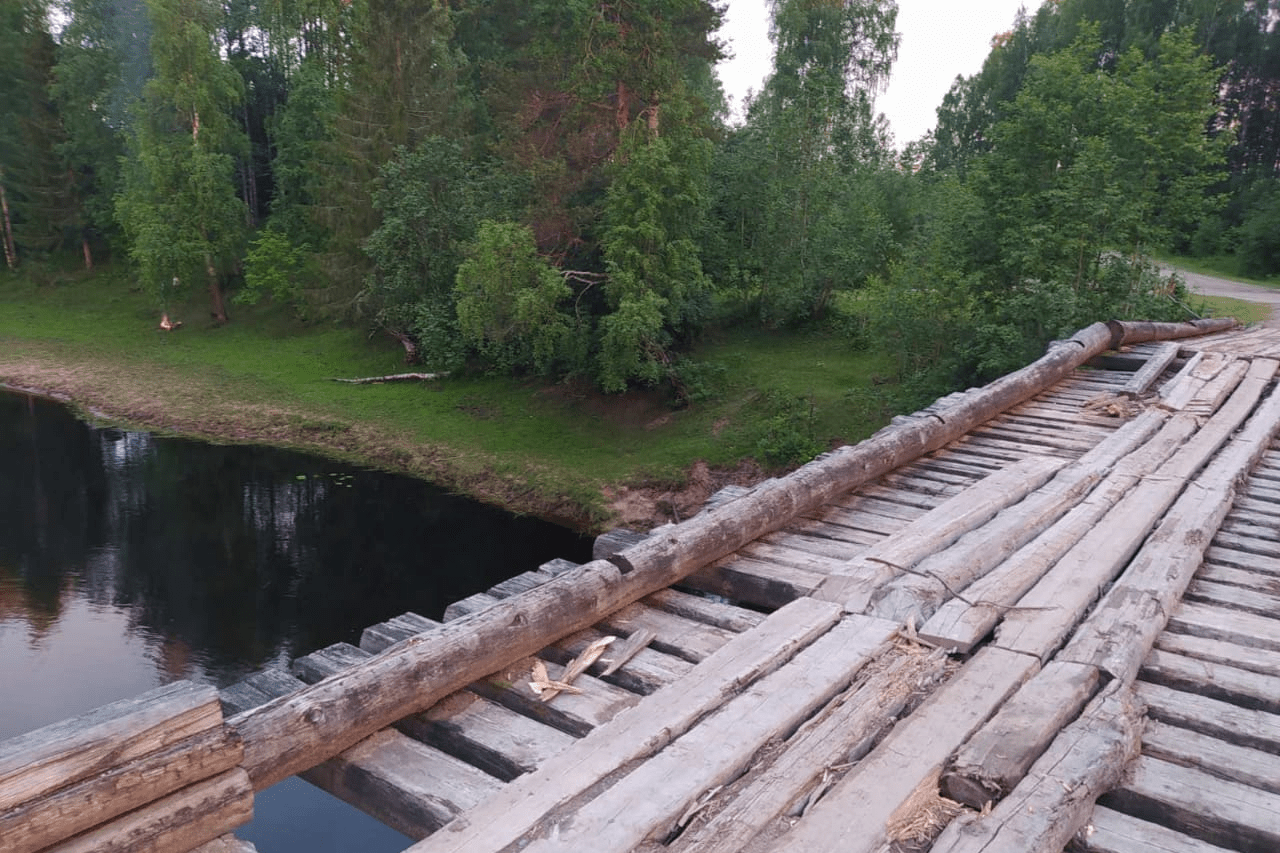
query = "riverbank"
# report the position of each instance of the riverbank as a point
(559, 452)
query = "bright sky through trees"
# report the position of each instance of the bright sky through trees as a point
(940, 39)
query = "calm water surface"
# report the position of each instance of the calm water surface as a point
(129, 560)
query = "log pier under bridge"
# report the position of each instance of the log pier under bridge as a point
(1042, 615)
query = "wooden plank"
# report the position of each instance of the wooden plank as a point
(1117, 635)
(1213, 717)
(83, 805)
(1251, 767)
(1155, 365)
(702, 609)
(1264, 661)
(1073, 542)
(1225, 555)
(843, 732)
(647, 802)
(1110, 831)
(638, 733)
(919, 593)
(675, 635)
(1263, 582)
(1057, 796)
(385, 634)
(1225, 813)
(1237, 613)
(42, 761)
(188, 818)
(992, 762)
(572, 713)
(410, 786)
(482, 733)
(860, 579)
(811, 553)
(755, 582)
(1219, 681)
(853, 816)
(1248, 544)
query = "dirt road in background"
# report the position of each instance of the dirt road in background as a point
(1208, 285)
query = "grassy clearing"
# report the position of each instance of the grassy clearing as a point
(1225, 306)
(550, 450)
(1221, 266)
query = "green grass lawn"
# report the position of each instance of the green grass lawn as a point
(266, 377)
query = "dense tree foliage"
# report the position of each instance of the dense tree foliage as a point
(553, 188)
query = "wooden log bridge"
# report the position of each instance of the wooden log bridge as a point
(1036, 616)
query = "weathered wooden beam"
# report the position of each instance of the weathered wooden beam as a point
(647, 802)
(1242, 764)
(1151, 370)
(854, 815)
(992, 762)
(54, 817)
(1057, 796)
(637, 733)
(1111, 831)
(177, 823)
(844, 732)
(860, 579)
(1213, 717)
(47, 759)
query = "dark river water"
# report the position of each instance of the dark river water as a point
(129, 560)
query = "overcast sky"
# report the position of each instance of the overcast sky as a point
(940, 39)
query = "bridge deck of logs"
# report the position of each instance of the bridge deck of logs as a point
(1043, 615)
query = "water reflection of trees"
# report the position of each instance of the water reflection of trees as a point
(232, 556)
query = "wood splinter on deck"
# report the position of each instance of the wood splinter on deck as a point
(548, 689)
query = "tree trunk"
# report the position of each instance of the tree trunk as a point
(217, 305)
(88, 253)
(10, 252)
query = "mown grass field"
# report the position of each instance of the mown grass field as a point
(550, 449)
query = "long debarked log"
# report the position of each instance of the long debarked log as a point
(296, 732)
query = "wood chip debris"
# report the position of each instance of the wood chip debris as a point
(547, 689)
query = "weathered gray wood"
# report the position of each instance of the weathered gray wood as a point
(1222, 623)
(933, 580)
(1253, 602)
(755, 582)
(1110, 831)
(83, 805)
(1265, 661)
(1219, 681)
(843, 732)
(378, 637)
(1057, 796)
(469, 605)
(42, 761)
(181, 821)
(647, 671)
(484, 734)
(1213, 717)
(612, 541)
(1246, 579)
(622, 651)
(998, 756)
(860, 579)
(814, 553)
(647, 801)
(1117, 636)
(1074, 542)
(410, 786)
(1221, 812)
(572, 713)
(1228, 556)
(675, 635)
(852, 817)
(702, 609)
(1151, 370)
(1251, 767)
(638, 733)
